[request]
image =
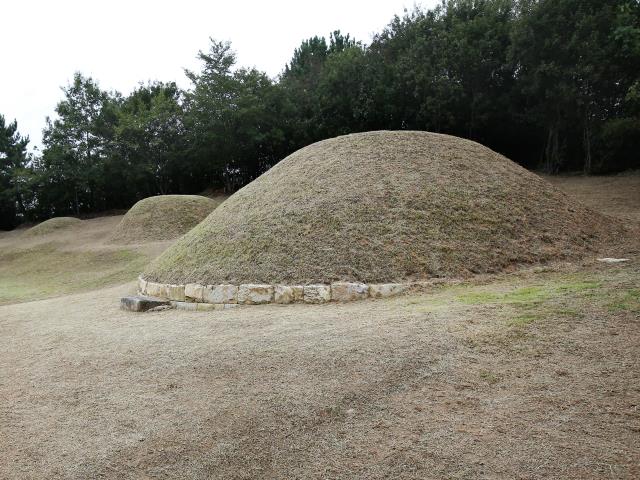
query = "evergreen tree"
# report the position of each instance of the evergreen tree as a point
(75, 147)
(13, 172)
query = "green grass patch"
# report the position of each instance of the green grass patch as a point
(531, 294)
(627, 301)
(528, 295)
(579, 286)
(525, 319)
(538, 312)
(534, 303)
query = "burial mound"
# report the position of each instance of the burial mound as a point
(383, 207)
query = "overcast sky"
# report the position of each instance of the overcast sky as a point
(122, 43)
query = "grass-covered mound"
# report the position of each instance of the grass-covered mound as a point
(52, 225)
(383, 206)
(163, 217)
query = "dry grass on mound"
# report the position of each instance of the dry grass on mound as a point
(164, 217)
(384, 206)
(52, 225)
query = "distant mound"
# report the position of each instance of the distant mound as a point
(51, 226)
(379, 207)
(164, 217)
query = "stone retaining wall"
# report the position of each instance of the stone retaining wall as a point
(193, 296)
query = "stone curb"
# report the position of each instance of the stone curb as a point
(193, 296)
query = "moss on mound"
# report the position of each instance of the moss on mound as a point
(383, 206)
(52, 225)
(163, 217)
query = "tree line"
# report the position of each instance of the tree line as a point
(552, 84)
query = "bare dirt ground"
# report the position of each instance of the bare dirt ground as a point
(529, 375)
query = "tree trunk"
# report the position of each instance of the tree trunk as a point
(551, 162)
(587, 144)
(20, 203)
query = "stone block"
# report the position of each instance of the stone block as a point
(142, 286)
(253, 294)
(317, 293)
(348, 292)
(140, 303)
(220, 294)
(298, 293)
(175, 292)
(382, 290)
(154, 289)
(185, 305)
(205, 307)
(193, 292)
(283, 294)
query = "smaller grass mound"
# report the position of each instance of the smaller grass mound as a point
(52, 225)
(163, 217)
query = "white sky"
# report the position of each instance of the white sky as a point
(122, 43)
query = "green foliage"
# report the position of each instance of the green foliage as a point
(14, 174)
(234, 119)
(552, 84)
(71, 170)
(149, 141)
(576, 61)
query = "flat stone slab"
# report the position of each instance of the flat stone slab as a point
(194, 291)
(283, 294)
(613, 260)
(202, 307)
(185, 306)
(140, 303)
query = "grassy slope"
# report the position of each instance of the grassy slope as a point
(47, 270)
(615, 195)
(65, 261)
